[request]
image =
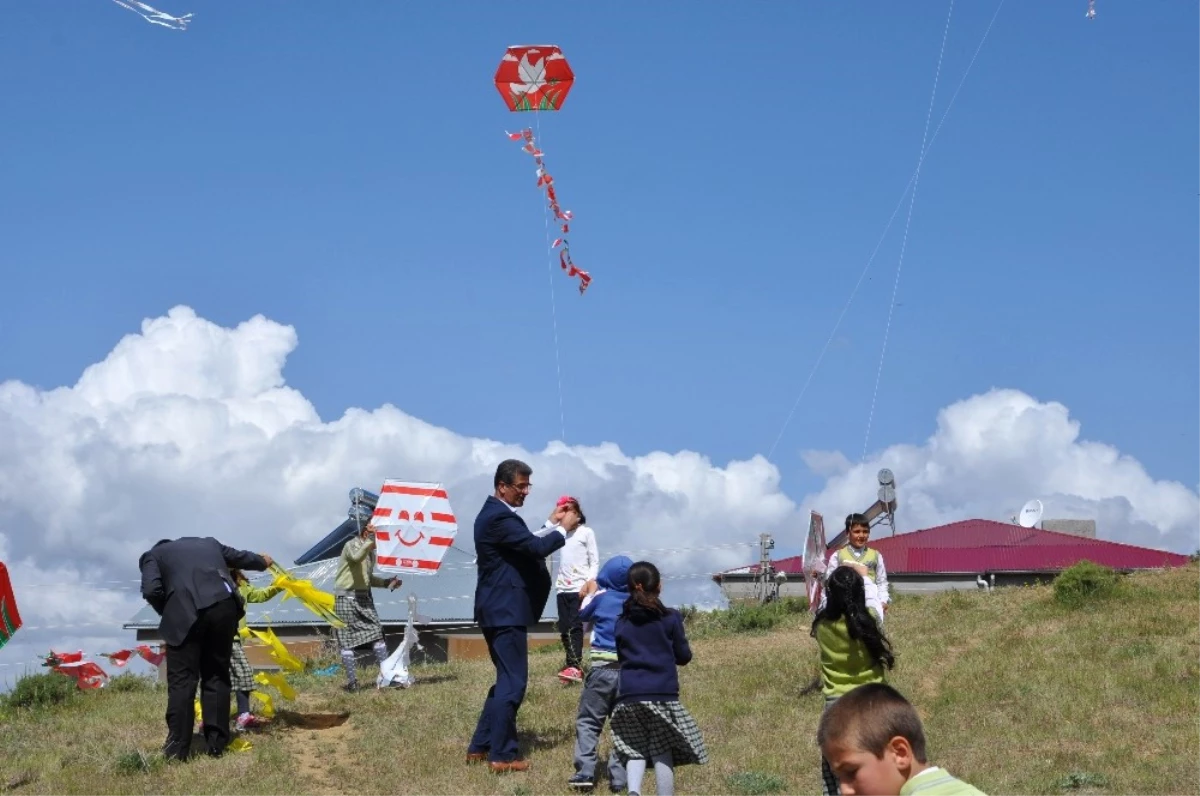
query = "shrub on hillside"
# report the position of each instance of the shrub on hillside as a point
(41, 691)
(747, 617)
(1084, 583)
(129, 682)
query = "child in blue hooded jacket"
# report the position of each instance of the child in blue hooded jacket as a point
(604, 599)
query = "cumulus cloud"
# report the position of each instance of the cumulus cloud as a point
(992, 452)
(190, 428)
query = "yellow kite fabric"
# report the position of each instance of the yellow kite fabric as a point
(239, 745)
(276, 681)
(276, 650)
(268, 704)
(312, 598)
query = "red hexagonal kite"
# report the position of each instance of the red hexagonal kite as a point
(534, 77)
(538, 78)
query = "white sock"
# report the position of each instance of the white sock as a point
(664, 775)
(635, 770)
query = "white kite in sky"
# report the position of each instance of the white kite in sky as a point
(153, 15)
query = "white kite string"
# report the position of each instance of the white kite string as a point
(912, 200)
(153, 15)
(562, 418)
(887, 227)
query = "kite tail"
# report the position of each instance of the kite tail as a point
(562, 218)
(154, 16)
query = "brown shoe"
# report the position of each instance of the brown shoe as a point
(511, 765)
(476, 757)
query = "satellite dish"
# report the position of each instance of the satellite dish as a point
(886, 478)
(1031, 514)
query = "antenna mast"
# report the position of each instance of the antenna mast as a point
(881, 512)
(768, 588)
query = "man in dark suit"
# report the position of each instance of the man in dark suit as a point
(511, 591)
(187, 582)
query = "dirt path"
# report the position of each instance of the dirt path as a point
(305, 732)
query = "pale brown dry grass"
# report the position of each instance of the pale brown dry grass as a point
(1018, 694)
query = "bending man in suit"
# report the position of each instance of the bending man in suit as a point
(511, 591)
(188, 583)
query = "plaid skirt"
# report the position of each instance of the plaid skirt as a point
(241, 673)
(361, 618)
(642, 730)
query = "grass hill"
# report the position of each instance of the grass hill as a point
(1021, 691)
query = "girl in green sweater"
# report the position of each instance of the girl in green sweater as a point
(853, 648)
(241, 674)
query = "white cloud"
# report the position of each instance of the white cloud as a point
(190, 428)
(992, 452)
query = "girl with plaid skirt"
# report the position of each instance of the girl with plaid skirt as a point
(241, 674)
(355, 605)
(649, 723)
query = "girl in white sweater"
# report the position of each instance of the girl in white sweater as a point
(579, 562)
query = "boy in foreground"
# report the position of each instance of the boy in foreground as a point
(874, 742)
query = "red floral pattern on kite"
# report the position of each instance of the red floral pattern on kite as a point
(534, 78)
(544, 180)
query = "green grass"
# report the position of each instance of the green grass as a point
(1019, 692)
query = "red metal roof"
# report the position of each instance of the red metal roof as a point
(984, 546)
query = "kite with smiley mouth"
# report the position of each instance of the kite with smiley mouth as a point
(414, 527)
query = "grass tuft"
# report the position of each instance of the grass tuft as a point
(138, 762)
(755, 783)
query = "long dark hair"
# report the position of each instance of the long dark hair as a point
(643, 602)
(845, 597)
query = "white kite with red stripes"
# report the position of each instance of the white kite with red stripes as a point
(414, 527)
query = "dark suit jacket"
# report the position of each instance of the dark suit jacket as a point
(181, 577)
(513, 581)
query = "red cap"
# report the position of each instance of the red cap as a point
(565, 499)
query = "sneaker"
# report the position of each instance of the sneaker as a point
(571, 674)
(248, 721)
(581, 782)
(350, 688)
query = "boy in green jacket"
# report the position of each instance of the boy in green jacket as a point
(874, 743)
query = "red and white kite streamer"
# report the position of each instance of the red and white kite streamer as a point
(561, 217)
(154, 16)
(121, 657)
(86, 673)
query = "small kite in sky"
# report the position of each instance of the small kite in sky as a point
(538, 78)
(154, 16)
(534, 78)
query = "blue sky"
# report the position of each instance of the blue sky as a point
(341, 168)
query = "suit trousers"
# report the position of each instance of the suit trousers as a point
(496, 731)
(202, 658)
